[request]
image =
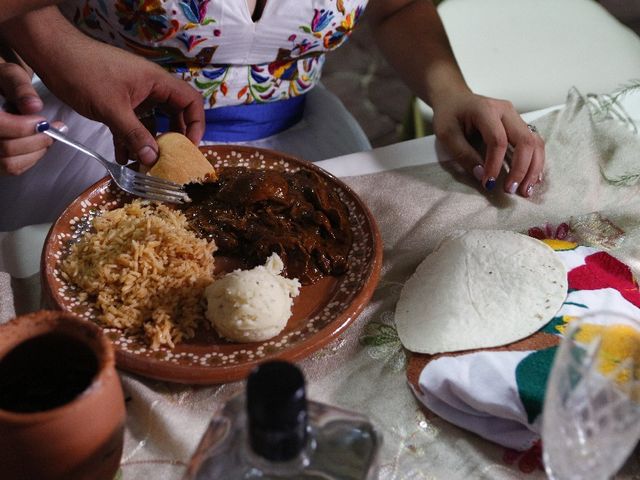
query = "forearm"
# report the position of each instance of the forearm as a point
(413, 39)
(41, 38)
(14, 8)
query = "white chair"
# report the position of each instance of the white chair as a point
(532, 52)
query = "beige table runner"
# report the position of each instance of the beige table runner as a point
(364, 370)
(415, 208)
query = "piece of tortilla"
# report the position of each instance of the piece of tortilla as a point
(180, 161)
(480, 289)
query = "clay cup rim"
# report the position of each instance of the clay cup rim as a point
(32, 325)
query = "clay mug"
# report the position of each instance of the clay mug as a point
(62, 409)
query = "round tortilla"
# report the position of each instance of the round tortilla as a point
(181, 162)
(480, 289)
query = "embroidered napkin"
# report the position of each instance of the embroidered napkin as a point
(499, 393)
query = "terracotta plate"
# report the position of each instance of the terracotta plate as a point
(320, 313)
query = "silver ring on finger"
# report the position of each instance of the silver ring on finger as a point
(532, 128)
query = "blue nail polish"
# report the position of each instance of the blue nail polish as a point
(491, 184)
(42, 126)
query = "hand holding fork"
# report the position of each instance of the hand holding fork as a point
(127, 179)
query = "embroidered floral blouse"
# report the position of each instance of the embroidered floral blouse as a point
(218, 48)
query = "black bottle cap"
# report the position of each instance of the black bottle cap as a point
(277, 411)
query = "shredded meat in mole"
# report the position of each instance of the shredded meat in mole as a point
(253, 213)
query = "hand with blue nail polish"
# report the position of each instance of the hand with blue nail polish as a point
(507, 142)
(105, 83)
(20, 147)
(423, 56)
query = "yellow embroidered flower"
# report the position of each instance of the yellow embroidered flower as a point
(619, 352)
(348, 22)
(563, 326)
(560, 245)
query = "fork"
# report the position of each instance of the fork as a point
(129, 180)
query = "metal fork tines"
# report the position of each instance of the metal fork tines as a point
(128, 180)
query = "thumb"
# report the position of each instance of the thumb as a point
(132, 138)
(15, 84)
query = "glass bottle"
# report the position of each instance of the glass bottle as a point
(274, 432)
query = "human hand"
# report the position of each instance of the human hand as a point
(415, 42)
(115, 87)
(105, 83)
(459, 117)
(20, 146)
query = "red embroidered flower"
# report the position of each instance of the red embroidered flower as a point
(601, 270)
(528, 461)
(548, 231)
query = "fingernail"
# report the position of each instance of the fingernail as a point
(491, 184)
(540, 177)
(512, 188)
(478, 172)
(529, 190)
(147, 155)
(31, 101)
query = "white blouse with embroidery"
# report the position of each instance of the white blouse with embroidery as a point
(217, 47)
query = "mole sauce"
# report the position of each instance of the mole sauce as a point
(252, 213)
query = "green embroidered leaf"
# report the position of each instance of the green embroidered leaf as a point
(260, 88)
(627, 89)
(377, 334)
(575, 304)
(205, 85)
(551, 327)
(207, 21)
(383, 344)
(531, 378)
(305, 29)
(393, 358)
(623, 180)
(607, 106)
(372, 341)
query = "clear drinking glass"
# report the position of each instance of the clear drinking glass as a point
(591, 416)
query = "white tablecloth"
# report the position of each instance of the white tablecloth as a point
(399, 182)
